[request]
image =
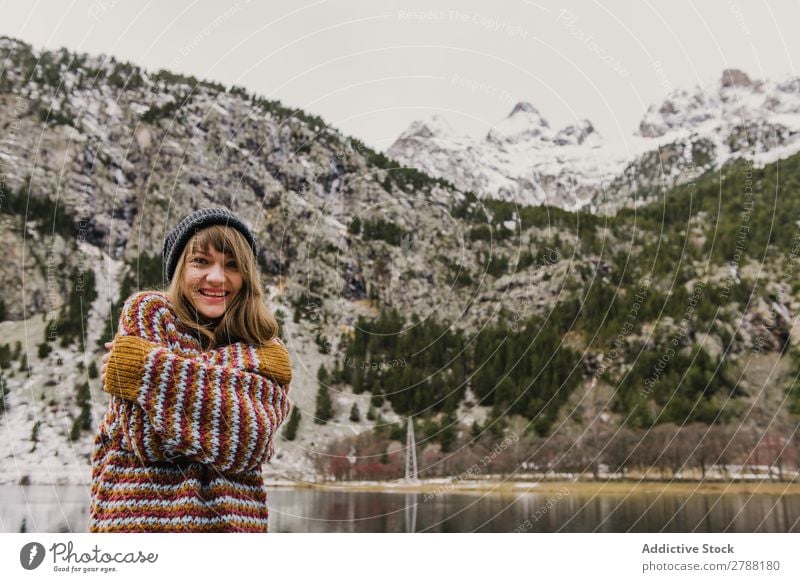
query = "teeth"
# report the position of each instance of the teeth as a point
(213, 294)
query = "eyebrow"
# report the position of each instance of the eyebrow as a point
(200, 252)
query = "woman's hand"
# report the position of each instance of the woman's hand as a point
(109, 346)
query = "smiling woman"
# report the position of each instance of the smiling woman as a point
(199, 381)
(209, 278)
(212, 252)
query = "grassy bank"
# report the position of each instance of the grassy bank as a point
(548, 487)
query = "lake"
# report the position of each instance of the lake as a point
(42, 508)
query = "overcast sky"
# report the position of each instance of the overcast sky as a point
(372, 67)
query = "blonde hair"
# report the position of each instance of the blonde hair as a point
(247, 318)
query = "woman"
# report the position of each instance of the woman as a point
(198, 381)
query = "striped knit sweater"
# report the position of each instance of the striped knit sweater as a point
(186, 433)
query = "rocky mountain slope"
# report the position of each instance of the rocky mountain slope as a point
(100, 158)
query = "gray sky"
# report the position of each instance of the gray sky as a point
(372, 67)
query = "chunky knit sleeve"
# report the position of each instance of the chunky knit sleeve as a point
(222, 409)
(146, 314)
(275, 359)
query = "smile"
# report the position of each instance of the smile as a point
(213, 294)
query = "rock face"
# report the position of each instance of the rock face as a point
(524, 160)
(735, 78)
(100, 158)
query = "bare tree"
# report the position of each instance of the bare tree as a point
(620, 452)
(696, 438)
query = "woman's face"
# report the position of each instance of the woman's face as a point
(211, 280)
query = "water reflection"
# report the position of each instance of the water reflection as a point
(66, 509)
(344, 511)
(411, 512)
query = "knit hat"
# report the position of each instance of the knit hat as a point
(179, 236)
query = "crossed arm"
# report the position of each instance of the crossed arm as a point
(221, 408)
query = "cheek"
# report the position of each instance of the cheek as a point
(190, 280)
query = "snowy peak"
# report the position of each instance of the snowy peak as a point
(735, 78)
(524, 123)
(526, 110)
(435, 127)
(734, 99)
(433, 133)
(691, 131)
(576, 134)
(521, 158)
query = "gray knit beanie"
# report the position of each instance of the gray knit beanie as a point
(179, 236)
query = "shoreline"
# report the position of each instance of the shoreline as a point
(501, 487)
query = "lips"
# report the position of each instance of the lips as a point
(213, 295)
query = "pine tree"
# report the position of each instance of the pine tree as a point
(3, 392)
(44, 350)
(324, 410)
(336, 375)
(291, 427)
(84, 419)
(35, 435)
(322, 374)
(355, 413)
(358, 381)
(5, 356)
(447, 431)
(475, 431)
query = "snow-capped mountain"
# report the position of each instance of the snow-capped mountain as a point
(523, 159)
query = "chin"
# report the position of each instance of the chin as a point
(204, 312)
(212, 314)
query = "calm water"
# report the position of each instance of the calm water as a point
(64, 509)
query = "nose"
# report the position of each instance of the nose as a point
(216, 274)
